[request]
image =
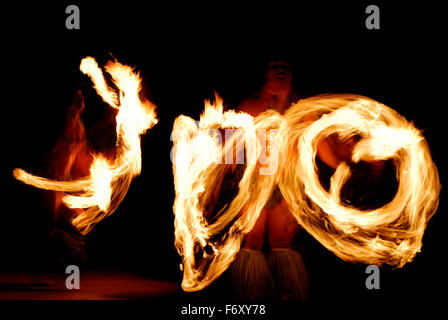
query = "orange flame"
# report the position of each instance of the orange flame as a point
(391, 234)
(197, 165)
(100, 193)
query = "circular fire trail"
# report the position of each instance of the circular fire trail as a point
(390, 234)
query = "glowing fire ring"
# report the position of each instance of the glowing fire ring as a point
(390, 234)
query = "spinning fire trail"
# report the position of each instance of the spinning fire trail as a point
(208, 243)
(99, 194)
(391, 234)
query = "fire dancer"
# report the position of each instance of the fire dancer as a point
(282, 271)
(345, 173)
(93, 184)
(70, 158)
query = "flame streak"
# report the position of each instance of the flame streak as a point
(391, 234)
(100, 193)
(197, 157)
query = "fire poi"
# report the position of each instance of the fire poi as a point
(98, 195)
(390, 234)
(270, 149)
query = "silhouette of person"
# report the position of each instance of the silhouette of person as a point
(281, 273)
(275, 269)
(70, 159)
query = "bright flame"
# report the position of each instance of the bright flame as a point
(390, 234)
(208, 244)
(100, 193)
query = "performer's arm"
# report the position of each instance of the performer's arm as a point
(326, 154)
(331, 151)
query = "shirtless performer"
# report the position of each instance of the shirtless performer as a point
(281, 274)
(70, 159)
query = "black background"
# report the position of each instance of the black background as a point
(184, 52)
